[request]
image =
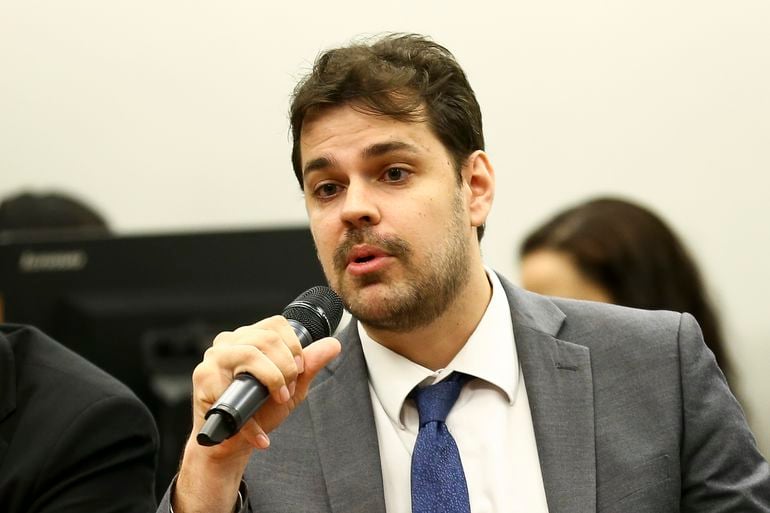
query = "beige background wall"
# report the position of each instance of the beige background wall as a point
(171, 115)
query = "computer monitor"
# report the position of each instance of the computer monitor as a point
(145, 307)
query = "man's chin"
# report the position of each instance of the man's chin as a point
(366, 298)
(364, 293)
(388, 307)
(349, 286)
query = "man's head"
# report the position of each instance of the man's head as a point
(387, 149)
(405, 77)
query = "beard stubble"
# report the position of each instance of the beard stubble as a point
(424, 292)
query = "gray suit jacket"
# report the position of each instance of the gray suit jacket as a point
(630, 413)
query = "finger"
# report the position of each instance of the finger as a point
(317, 355)
(281, 325)
(292, 342)
(209, 382)
(273, 366)
(222, 337)
(285, 337)
(277, 340)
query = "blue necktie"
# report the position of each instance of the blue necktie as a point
(438, 480)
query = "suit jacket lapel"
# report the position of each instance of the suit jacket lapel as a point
(557, 376)
(341, 411)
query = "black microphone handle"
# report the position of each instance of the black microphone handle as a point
(240, 401)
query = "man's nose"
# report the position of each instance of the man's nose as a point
(359, 208)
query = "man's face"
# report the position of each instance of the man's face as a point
(389, 218)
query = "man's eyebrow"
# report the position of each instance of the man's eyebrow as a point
(317, 165)
(379, 149)
(375, 150)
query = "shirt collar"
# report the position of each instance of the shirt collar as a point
(489, 354)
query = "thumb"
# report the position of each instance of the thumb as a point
(316, 356)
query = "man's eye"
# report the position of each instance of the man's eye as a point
(396, 174)
(326, 190)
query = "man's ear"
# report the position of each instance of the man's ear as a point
(479, 182)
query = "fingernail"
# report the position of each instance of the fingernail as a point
(263, 441)
(292, 387)
(300, 364)
(284, 394)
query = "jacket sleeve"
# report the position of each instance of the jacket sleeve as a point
(104, 461)
(722, 469)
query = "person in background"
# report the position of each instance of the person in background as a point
(29, 217)
(45, 215)
(73, 439)
(615, 251)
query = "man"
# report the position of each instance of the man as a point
(567, 406)
(72, 438)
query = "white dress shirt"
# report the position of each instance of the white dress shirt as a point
(490, 421)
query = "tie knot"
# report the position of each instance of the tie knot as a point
(434, 401)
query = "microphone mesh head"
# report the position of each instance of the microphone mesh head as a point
(318, 309)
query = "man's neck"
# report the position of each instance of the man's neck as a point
(435, 345)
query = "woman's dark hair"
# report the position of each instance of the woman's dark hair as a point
(635, 256)
(406, 77)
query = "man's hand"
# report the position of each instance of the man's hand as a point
(270, 351)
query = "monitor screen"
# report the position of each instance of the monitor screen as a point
(144, 308)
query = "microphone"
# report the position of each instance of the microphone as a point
(315, 314)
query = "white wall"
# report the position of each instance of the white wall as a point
(171, 115)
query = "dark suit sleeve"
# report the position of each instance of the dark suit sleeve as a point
(104, 461)
(722, 469)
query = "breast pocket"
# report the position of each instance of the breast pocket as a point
(642, 486)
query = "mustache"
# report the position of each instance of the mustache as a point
(392, 245)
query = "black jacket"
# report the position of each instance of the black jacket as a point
(72, 437)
